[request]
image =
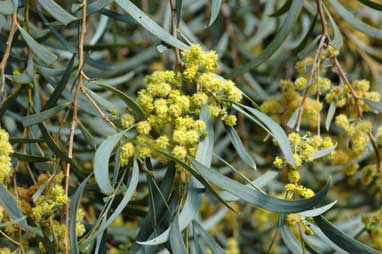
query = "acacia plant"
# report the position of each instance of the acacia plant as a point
(190, 126)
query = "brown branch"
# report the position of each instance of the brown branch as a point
(7, 52)
(74, 119)
(174, 29)
(316, 62)
(99, 110)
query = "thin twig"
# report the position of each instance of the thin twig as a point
(174, 33)
(7, 52)
(74, 118)
(316, 62)
(98, 109)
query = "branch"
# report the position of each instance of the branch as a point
(7, 52)
(74, 119)
(174, 33)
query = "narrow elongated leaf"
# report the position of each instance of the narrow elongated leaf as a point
(30, 157)
(337, 40)
(39, 50)
(324, 152)
(160, 208)
(44, 115)
(59, 13)
(377, 106)
(239, 147)
(96, 6)
(101, 162)
(149, 24)
(259, 182)
(57, 150)
(283, 9)
(372, 4)
(118, 210)
(307, 36)
(215, 8)
(318, 211)
(293, 119)
(27, 75)
(176, 239)
(354, 22)
(290, 241)
(256, 197)
(275, 130)
(10, 206)
(341, 239)
(178, 7)
(330, 115)
(130, 102)
(73, 207)
(61, 84)
(214, 246)
(280, 37)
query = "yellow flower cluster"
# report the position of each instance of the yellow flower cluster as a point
(171, 109)
(53, 199)
(6, 152)
(304, 147)
(282, 109)
(357, 131)
(343, 98)
(298, 220)
(373, 225)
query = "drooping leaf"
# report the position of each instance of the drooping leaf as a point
(341, 239)
(178, 7)
(101, 162)
(376, 105)
(39, 50)
(239, 147)
(354, 22)
(149, 24)
(215, 9)
(26, 76)
(283, 9)
(122, 204)
(59, 13)
(272, 47)
(176, 239)
(290, 241)
(30, 157)
(73, 207)
(274, 129)
(44, 115)
(337, 40)
(330, 115)
(372, 4)
(214, 246)
(318, 211)
(61, 84)
(256, 197)
(324, 152)
(307, 36)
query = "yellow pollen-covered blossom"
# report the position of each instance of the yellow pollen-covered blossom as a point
(230, 120)
(6, 151)
(198, 99)
(300, 83)
(127, 120)
(179, 152)
(143, 127)
(278, 162)
(293, 176)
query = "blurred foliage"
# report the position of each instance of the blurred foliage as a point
(194, 127)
